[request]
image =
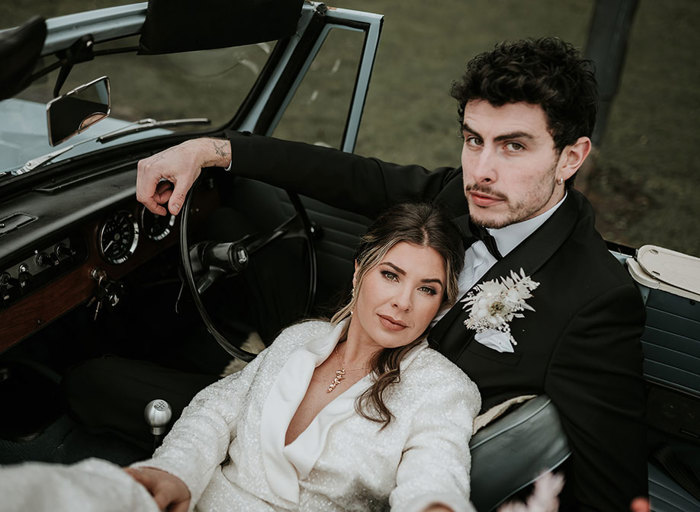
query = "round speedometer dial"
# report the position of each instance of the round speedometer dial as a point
(118, 237)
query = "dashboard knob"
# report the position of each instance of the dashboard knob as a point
(24, 278)
(44, 260)
(6, 285)
(62, 251)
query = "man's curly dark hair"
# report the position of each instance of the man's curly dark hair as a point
(547, 72)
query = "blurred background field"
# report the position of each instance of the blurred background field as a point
(646, 175)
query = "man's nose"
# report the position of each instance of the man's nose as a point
(482, 167)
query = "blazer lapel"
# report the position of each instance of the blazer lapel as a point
(450, 334)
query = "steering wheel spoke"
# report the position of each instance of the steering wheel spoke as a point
(205, 281)
(291, 228)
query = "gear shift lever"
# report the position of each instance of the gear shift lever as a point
(158, 413)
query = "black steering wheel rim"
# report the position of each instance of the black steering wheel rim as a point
(185, 251)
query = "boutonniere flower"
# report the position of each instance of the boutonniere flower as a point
(493, 304)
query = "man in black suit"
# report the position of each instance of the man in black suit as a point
(527, 111)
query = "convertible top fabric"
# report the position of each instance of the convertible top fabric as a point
(182, 25)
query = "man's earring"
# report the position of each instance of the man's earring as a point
(560, 181)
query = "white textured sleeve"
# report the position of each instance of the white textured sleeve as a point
(436, 461)
(198, 442)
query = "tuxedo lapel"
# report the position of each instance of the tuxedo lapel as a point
(450, 334)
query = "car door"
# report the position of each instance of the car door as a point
(316, 95)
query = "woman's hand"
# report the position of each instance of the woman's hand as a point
(169, 492)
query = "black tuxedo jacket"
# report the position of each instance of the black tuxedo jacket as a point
(581, 344)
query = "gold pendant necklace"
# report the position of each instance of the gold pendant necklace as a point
(340, 374)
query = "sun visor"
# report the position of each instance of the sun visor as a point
(183, 25)
(20, 50)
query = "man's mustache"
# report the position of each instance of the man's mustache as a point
(475, 187)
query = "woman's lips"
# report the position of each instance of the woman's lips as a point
(391, 323)
(484, 200)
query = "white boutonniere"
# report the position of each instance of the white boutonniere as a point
(493, 304)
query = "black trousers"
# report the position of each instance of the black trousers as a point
(109, 394)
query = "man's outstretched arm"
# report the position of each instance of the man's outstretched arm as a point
(344, 180)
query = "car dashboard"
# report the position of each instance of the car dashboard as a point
(69, 240)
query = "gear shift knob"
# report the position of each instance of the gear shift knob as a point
(158, 414)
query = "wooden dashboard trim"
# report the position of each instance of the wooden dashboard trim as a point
(44, 305)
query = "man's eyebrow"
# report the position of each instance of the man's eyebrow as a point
(467, 128)
(514, 135)
(401, 271)
(500, 138)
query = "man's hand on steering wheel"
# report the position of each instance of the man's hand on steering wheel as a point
(166, 177)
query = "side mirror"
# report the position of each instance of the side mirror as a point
(77, 110)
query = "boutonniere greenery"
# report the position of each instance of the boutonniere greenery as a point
(493, 304)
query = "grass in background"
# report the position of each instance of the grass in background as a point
(647, 174)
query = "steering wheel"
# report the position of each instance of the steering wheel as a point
(208, 262)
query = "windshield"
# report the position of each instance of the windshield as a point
(210, 84)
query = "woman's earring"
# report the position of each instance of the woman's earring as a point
(560, 181)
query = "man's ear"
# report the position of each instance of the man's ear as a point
(572, 157)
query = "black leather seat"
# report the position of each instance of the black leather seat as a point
(511, 452)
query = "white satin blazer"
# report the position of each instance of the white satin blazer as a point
(228, 445)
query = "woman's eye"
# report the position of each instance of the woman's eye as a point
(390, 275)
(428, 290)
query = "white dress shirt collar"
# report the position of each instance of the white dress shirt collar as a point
(509, 237)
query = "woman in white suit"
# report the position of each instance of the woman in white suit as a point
(353, 414)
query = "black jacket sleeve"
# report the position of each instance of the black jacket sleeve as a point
(363, 185)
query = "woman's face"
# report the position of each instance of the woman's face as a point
(399, 297)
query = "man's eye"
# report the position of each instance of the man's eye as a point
(514, 147)
(390, 275)
(471, 140)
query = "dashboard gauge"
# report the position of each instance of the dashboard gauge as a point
(118, 237)
(156, 227)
